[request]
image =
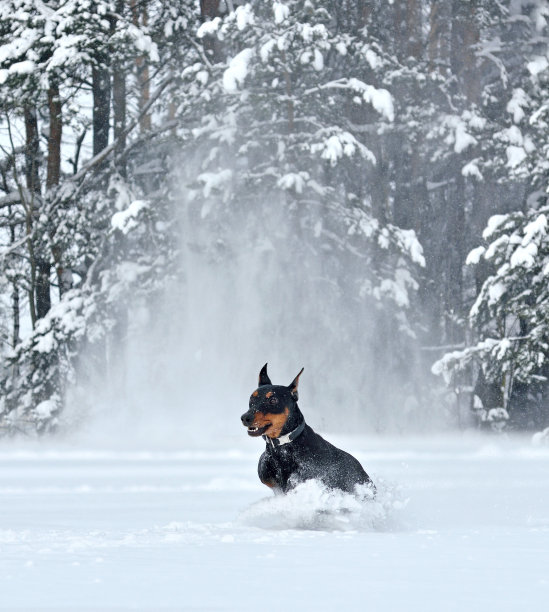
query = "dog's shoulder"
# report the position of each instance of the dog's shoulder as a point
(315, 441)
(340, 469)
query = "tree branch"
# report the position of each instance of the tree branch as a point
(102, 155)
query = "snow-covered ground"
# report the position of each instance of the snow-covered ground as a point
(459, 524)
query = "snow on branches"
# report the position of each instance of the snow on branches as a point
(511, 312)
(273, 123)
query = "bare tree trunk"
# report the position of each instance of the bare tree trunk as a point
(42, 287)
(289, 97)
(16, 310)
(409, 178)
(398, 20)
(54, 137)
(364, 12)
(407, 19)
(141, 16)
(101, 88)
(16, 313)
(465, 36)
(78, 147)
(455, 249)
(119, 101)
(43, 266)
(32, 150)
(413, 37)
(438, 46)
(64, 277)
(119, 111)
(209, 9)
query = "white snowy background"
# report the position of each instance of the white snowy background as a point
(460, 523)
(153, 502)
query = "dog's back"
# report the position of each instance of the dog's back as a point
(310, 456)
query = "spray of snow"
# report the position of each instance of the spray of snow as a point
(313, 506)
(541, 438)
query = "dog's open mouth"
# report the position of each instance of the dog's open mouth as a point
(258, 431)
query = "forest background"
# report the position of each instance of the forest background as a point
(189, 189)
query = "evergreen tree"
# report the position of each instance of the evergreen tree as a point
(284, 129)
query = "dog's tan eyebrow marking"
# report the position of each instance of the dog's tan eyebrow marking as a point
(255, 393)
(267, 395)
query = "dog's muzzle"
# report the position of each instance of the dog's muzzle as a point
(247, 420)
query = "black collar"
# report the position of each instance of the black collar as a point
(281, 440)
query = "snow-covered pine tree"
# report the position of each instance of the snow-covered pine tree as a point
(506, 362)
(283, 132)
(511, 318)
(85, 221)
(346, 122)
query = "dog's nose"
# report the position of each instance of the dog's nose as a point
(247, 419)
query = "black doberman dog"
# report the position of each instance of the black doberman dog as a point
(294, 452)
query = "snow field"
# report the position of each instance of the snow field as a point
(459, 524)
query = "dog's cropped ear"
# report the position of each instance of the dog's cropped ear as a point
(264, 377)
(293, 385)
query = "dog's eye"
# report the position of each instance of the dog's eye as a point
(273, 400)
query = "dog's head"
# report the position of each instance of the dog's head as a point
(273, 409)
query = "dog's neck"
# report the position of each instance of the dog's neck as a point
(285, 439)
